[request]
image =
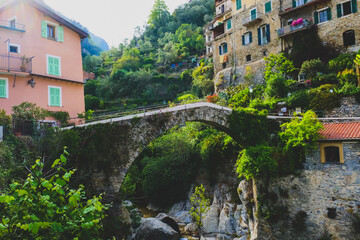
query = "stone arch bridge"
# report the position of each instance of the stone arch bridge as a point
(141, 129)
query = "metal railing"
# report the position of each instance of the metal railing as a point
(12, 25)
(16, 64)
(289, 5)
(291, 29)
(252, 18)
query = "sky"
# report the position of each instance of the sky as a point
(112, 20)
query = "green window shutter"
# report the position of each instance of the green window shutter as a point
(305, 1)
(268, 32)
(229, 24)
(60, 34)
(316, 17)
(253, 14)
(220, 50)
(56, 66)
(243, 39)
(55, 97)
(268, 7)
(51, 69)
(44, 29)
(338, 10)
(328, 12)
(293, 3)
(259, 36)
(250, 37)
(238, 4)
(354, 6)
(225, 48)
(2, 88)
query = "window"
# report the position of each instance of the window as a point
(247, 38)
(346, 8)
(248, 58)
(4, 88)
(52, 31)
(53, 65)
(331, 153)
(264, 34)
(268, 7)
(252, 14)
(297, 3)
(55, 96)
(223, 48)
(228, 23)
(349, 38)
(14, 48)
(222, 8)
(238, 4)
(322, 15)
(12, 23)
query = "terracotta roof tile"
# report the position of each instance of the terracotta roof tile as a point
(341, 131)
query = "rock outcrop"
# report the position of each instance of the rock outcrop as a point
(153, 228)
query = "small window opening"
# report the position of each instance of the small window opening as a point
(248, 58)
(265, 53)
(332, 155)
(12, 23)
(13, 49)
(346, 8)
(331, 213)
(349, 38)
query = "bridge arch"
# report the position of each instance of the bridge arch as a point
(141, 129)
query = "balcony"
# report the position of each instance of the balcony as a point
(15, 64)
(218, 30)
(252, 19)
(287, 30)
(291, 6)
(12, 25)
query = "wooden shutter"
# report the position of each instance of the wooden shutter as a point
(268, 7)
(3, 88)
(338, 10)
(220, 50)
(328, 13)
(225, 48)
(55, 97)
(243, 39)
(316, 17)
(229, 24)
(60, 34)
(44, 29)
(259, 36)
(238, 4)
(250, 37)
(253, 14)
(293, 3)
(354, 6)
(51, 69)
(56, 66)
(268, 32)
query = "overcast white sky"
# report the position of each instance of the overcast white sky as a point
(113, 20)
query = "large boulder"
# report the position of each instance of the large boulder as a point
(169, 221)
(153, 228)
(227, 222)
(211, 220)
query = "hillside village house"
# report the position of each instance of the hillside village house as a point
(40, 58)
(243, 32)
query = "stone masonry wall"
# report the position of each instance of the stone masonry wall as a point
(328, 194)
(349, 108)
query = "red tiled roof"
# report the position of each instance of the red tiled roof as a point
(341, 131)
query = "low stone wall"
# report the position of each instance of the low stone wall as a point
(349, 108)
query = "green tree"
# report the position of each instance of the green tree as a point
(203, 79)
(302, 132)
(200, 205)
(91, 63)
(159, 14)
(278, 64)
(29, 111)
(45, 207)
(189, 40)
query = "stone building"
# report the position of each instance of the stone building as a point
(243, 32)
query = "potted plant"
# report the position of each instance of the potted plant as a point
(24, 62)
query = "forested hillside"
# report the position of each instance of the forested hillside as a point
(157, 64)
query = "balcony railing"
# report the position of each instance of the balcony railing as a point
(287, 30)
(12, 25)
(15, 64)
(253, 18)
(290, 5)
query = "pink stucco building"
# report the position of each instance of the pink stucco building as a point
(40, 58)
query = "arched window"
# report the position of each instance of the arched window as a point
(332, 153)
(349, 38)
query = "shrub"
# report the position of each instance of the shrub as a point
(348, 76)
(29, 111)
(341, 62)
(324, 98)
(321, 79)
(200, 205)
(348, 89)
(301, 132)
(263, 104)
(45, 207)
(299, 98)
(187, 98)
(213, 98)
(240, 99)
(254, 162)
(62, 117)
(277, 86)
(312, 67)
(278, 64)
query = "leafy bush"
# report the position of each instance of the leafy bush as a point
(45, 207)
(92, 102)
(301, 132)
(187, 98)
(29, 111)
(324, 98)
(277, 86)
(348, 76)
(348, 89)
(62, 117)
(278, 64)
(263, 104)
(312, 67)
(299, 98)
(240, 99)
(200, 205)
(341, 62)
(322, 79)
(254, 162)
